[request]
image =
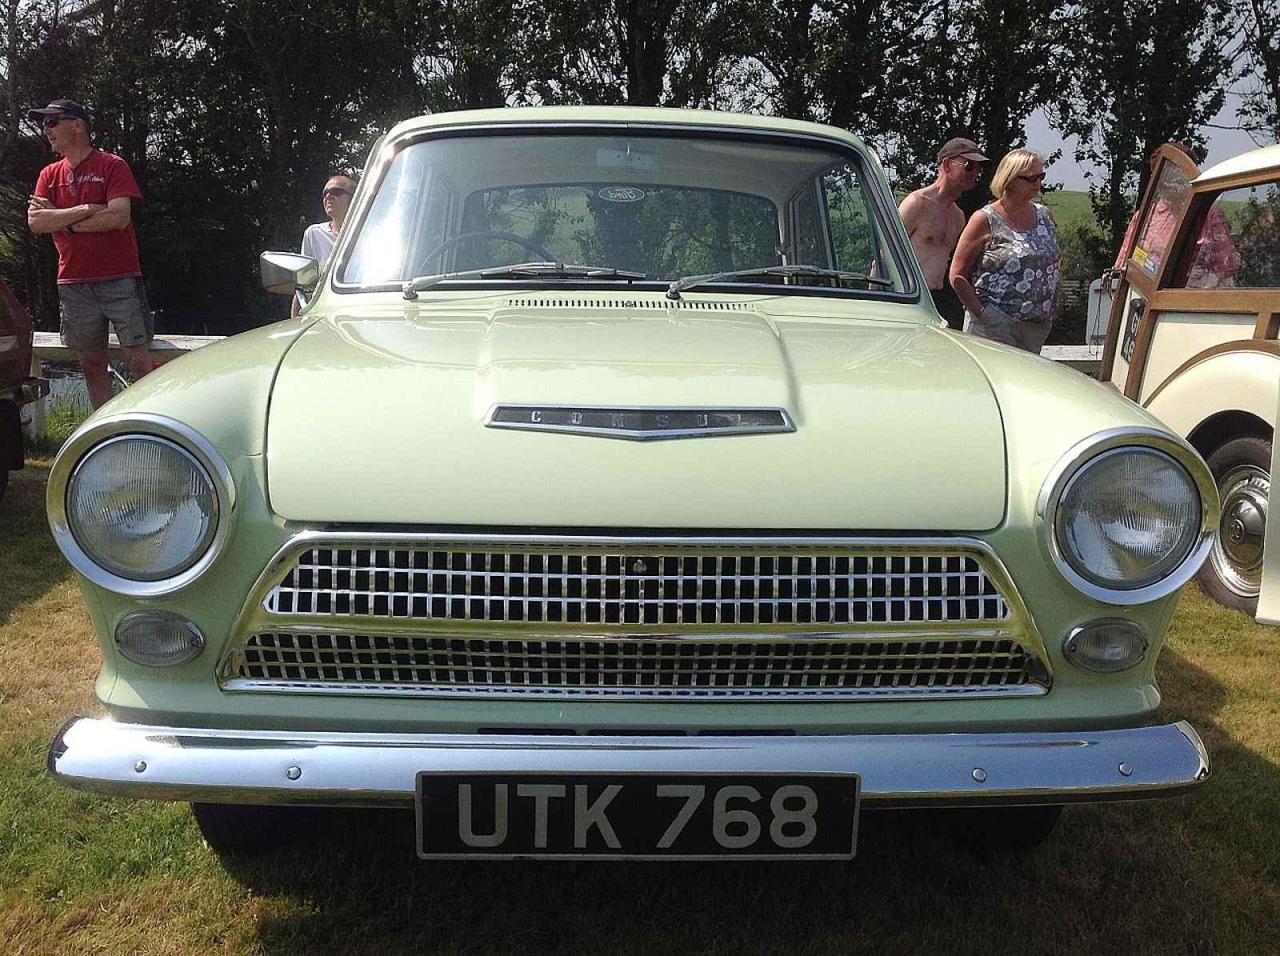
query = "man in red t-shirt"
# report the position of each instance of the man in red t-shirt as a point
(85, 200)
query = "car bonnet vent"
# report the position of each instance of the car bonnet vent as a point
(654, 305)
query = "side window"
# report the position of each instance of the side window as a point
(1172, 194)
(856, 235)
(851, 223)
(807, 232)
(1238, 245)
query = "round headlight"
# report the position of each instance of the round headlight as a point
(1128, 518)
(142, 507)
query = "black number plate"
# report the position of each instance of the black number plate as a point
(677, 816)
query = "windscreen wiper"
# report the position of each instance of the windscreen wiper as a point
(554, 269)
(789, 272)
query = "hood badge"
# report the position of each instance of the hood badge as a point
(641, 424)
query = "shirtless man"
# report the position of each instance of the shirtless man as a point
(934, 221)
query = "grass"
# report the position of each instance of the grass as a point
(63, 415)
(82, 874)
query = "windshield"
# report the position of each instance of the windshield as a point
(654, 208)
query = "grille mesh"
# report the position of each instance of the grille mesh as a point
(639, 667)
(637, 587)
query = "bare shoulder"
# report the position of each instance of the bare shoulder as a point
(912, 202)
(978, 226)
(912, 209)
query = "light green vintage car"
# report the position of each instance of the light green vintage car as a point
(620, 493)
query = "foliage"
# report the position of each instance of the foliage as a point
(1259, 22)
(233, 112)
(1143, 73)
(63, 414)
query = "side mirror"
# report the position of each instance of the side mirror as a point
(285, 272)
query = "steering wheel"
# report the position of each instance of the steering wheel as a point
(529, 244)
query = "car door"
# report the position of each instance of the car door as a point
(1148, 250)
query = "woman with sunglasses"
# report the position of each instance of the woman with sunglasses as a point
(1008, 261)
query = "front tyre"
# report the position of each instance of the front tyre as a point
(1232, 575)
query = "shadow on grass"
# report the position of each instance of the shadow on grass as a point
(30, 563)
(1191, 874)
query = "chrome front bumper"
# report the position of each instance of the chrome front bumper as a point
(335, 769)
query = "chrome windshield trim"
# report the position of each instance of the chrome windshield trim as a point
(162, 427)
(386, 150)
(297, 767)
(1083, 452)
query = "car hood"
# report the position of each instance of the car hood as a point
(381, 418)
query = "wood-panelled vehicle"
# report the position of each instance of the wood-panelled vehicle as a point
(17, 386)
(1193, 338)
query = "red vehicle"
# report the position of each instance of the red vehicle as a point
(17, 385)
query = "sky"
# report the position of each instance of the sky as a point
(1222, 143)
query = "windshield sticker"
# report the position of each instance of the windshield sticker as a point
(625, 157)
(621, 194)
(1146, 260)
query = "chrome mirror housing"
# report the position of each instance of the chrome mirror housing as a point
(285, 272)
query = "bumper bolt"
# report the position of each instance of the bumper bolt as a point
(140, 766)
(293, 773)
(1125, 770)
(979, 775)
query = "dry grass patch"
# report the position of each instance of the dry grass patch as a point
(48, 652)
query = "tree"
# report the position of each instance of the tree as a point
(1145, 74)
(975, 68)
(1260, 50)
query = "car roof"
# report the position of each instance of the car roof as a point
(637, 115)
(1260, 160)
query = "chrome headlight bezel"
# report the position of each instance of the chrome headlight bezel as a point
(146, 426)
(1085, 453)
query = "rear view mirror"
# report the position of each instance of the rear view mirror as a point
(285, 272)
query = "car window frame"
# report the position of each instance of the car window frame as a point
(874, 187)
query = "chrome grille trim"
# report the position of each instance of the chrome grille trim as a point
(639, 587)
(980, 603)
(728, 667)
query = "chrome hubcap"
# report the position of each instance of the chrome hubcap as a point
(1237, 553)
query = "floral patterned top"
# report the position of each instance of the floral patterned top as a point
(1019, 271)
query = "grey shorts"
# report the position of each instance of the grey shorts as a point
(998, 327)
(87, 307)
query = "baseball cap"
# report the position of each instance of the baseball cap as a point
(60, 108)
(965, 148)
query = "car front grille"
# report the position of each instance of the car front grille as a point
(635, 618)
(636, 667)
(642, 587)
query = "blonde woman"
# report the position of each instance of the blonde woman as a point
(1008, 261)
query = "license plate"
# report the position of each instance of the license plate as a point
(636, 816)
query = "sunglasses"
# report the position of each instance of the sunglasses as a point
(1037, 178)
(51, 121)
(968, 164)
(335, 191)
